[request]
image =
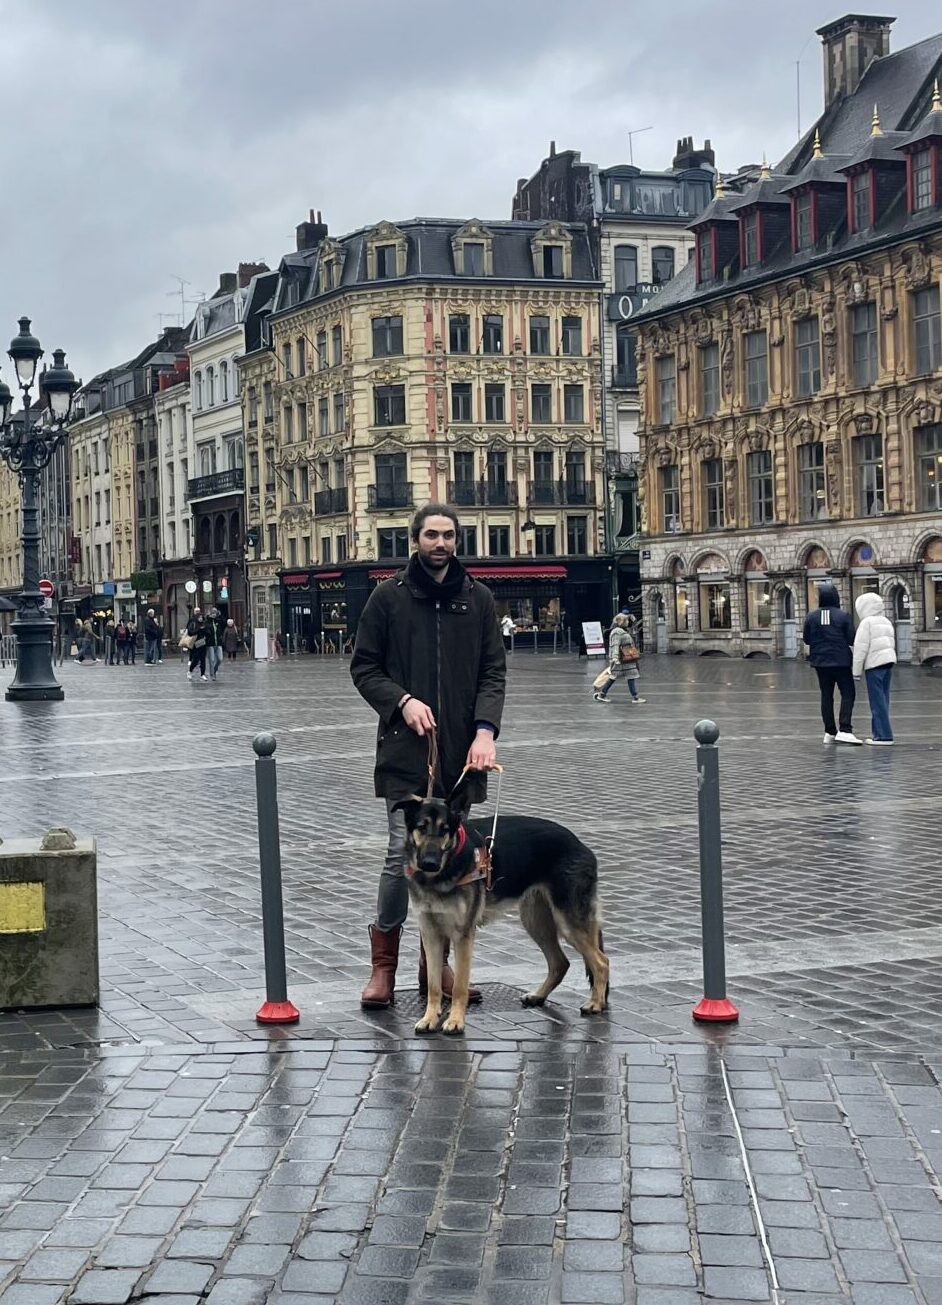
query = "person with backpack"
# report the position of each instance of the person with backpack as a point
(829, 634)
(196, 629)
(121, 642)
(875, 657)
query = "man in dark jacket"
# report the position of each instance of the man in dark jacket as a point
(829, 634)
(428, 655)
(152, 638)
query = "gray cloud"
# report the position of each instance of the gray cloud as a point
(175, 140)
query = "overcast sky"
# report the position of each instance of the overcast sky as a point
(145, 142)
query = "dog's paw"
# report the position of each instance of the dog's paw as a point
(426, 1025)
(532, 999)
(453, 1028)
(591, 1008)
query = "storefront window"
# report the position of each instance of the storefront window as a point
(333, 614)
(863, 583)
(681, 608)
(715, 606)
(934, 601)
(758, 604)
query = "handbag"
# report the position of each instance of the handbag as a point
(185, 641)
(604, 677)
(628, 653)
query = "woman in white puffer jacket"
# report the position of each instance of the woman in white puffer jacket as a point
(875, 655)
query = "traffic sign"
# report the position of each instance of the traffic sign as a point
(47, 589)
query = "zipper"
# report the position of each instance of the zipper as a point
(438, 665)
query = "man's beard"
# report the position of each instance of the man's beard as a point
(436, 563)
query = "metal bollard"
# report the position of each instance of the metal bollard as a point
(276, 1008)
(715, 1006)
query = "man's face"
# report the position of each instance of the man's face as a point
(437, 542)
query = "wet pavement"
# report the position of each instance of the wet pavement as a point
(165, 1148)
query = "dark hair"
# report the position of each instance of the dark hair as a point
(433, 510)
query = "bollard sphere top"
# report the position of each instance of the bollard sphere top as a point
(264, 744)
(706, 731)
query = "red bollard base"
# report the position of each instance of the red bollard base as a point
(277, 1012)
(716, 1010)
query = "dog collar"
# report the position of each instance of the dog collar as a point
(460, 840)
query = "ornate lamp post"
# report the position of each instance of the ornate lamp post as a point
(27, 447)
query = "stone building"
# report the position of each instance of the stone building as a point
(792, 377)
(216, 487)
(638, 222)
(432, 360)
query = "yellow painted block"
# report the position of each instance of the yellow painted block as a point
(22, 908)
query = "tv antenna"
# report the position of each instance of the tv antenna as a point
(798, 85)
(631, 146)
(185, 300)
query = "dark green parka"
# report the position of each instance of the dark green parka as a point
(442, 645)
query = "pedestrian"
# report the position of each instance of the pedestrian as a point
(875, 656)
(231, 640)
(507, 629)
(623, 657)
(196, 629)
(428, 656)
(152, 634)
(110, 649)
(87, 647)
(132, 640)
(121, 641)
(276, 646)
(829, 634)
(214, 629)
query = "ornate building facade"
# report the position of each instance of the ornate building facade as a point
(792, 383)
(431, 360)
(638, 222)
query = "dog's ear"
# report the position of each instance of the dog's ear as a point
(410, 806)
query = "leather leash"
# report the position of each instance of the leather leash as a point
(484, 856)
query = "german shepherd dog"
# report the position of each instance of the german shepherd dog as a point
(543, 867)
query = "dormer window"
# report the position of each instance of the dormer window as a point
(385, 262)
(706, 256)
(923, 180)
(553, 260)
(804, 221)
(861, 201)
(751, 240)
(473, 258)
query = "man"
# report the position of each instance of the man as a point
(110, 648)
(428, 655)
(196, 629)
(829, 634)
(214, 628)
(151, 638)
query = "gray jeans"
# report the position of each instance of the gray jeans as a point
(392, 902)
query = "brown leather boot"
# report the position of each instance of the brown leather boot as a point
(380, 992)
(448, 977)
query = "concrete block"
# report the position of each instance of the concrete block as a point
(48, 922)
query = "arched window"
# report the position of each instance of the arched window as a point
(223, 382)
(626, 267)
(235, 533)
(198, 390)
(219, 534)
(206, 536)
(210, 387)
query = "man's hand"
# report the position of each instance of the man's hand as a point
(418, 716)
(482, 755)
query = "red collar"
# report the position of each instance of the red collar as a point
(460, 839)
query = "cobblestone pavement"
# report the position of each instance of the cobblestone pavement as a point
(165, 1148)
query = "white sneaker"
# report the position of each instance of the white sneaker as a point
(829, 738)
(189, 675)
(203, 677)
(639, 700)
(844, 736)
(599, 697)
(881, 743)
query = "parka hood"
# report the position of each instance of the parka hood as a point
(828, 596)
(868, 605)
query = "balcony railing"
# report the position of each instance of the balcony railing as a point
(624, 378)
(327, 501)
(621, 464)
(390, 496)
(548, 493)
(220, 482)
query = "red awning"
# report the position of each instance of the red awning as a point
(328, 575)
(381, 575)
(518, 572)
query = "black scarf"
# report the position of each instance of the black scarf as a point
(447, 588)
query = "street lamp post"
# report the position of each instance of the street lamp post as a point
(27, 447)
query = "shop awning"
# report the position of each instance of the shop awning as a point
(381, 575)
(518, 572)
(328, 575)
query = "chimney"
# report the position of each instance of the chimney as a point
(311, 233)
(688, 156)
(850, 45)
(552, 152)
(248, 270)
(228, 283)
